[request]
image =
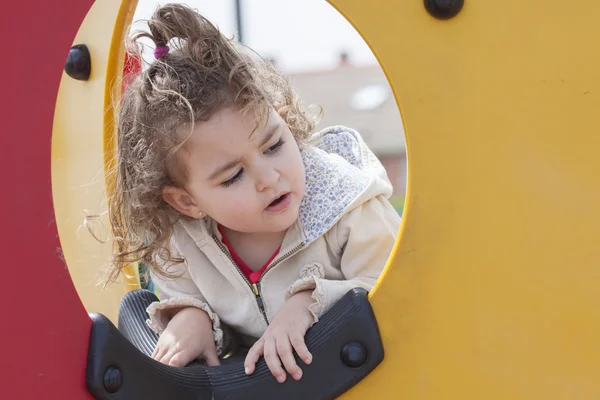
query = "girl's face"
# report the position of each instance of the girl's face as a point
(247, 182)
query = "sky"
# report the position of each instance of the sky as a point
(301, 35)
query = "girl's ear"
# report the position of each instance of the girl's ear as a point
(180, 200)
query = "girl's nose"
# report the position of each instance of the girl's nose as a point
(267, 178)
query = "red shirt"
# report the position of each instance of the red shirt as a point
(253, 276)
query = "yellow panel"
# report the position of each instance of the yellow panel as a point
(491, 292)
(83, 118)
(493, 289)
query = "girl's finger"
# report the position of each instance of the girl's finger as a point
(272, 360)
(211, 358)
(155, 352)
(284, 350)
(166, 358)
(300, 346)
(253, 355)
(178, 360)
(159, 352)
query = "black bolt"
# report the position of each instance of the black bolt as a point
(113, 379)
(79, 63)
(443, 9)
(354, 354)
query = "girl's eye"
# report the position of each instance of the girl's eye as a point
(233, 179)
(273, 149)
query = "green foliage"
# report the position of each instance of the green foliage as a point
(398, 204)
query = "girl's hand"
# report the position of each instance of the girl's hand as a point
(188, 336)
(286, 331)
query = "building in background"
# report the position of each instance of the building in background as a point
(360, 98)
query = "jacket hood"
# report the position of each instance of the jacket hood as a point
(341, 174)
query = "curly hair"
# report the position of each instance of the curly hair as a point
(202, 73)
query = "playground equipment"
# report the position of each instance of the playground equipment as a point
(491, 291)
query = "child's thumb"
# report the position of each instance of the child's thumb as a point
(211, 358)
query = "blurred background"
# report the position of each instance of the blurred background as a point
(329, 64)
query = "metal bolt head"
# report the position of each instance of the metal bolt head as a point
(79, 63)
(353, 354)
(113, 379)
(443, 9)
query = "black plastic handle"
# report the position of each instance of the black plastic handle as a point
(345, 344)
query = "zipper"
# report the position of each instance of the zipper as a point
(256, 290)
(254, 286)
(282, 258)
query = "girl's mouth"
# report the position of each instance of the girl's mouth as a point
(279, 204)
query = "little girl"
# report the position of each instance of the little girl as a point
(253, 227)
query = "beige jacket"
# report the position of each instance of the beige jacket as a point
(342, 239)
